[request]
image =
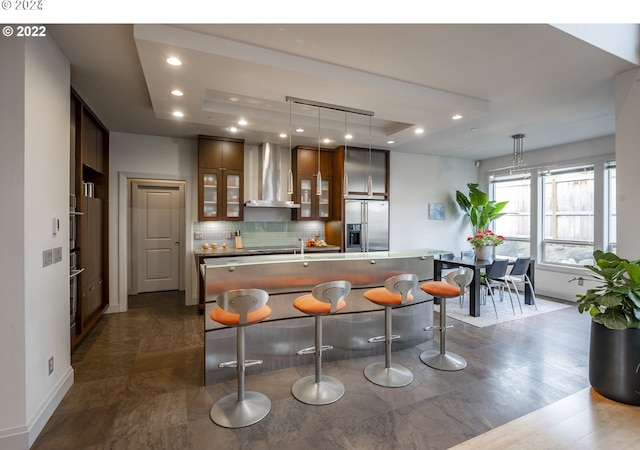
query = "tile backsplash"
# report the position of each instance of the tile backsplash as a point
(256, 234)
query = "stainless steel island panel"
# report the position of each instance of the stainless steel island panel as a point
(277, 339)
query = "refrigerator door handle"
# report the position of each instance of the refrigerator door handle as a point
(365, 227)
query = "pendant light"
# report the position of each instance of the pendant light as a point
(345, 181)
(290, 177)
(319, 177)
(370, 179)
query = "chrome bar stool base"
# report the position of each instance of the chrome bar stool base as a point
(326, 298)
(393, 376)
(328, 390)
(229, 412)
(447, 361)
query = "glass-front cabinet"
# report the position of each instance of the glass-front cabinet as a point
(233, 195)
(305, 197)
(220, 179)
(209, 194)
(312, 205)
(305, 167)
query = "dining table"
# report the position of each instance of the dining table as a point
(477, 265)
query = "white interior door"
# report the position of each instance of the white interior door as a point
(157, 209)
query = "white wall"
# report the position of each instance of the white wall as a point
(12, 269)
(417, 180)
(627, 94)
(152, 157)
(35, 314)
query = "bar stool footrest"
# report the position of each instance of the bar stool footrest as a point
(247, 363)
(312, 350)
(382, 338)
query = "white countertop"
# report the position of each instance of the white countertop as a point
(288, 258)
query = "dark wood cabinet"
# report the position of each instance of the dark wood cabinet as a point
(90, 157)
(305, 163)
(220, 178)
(92, 142)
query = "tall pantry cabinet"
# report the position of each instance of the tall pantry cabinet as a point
(90, 181)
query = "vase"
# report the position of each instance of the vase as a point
(485, 252)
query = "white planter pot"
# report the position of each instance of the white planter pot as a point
(484, 252)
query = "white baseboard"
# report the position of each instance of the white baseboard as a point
(49, 405)
(15, 438)
(561, 295)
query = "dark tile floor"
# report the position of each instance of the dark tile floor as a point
(139, 385)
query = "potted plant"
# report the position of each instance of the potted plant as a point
(614, 306)
(484, 242)
(477, 206)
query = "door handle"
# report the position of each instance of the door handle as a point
(177, 243)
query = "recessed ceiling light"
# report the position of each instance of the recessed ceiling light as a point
(391, 142)
(242, 122)
(326, 140)
(174, 61)
(283, 135)
(178, 114)
(299, 130)
(177, 93)
(233, 129)
(348, 136)
(419, 131)
(456, 116)
(234, 99)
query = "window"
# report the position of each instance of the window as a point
(516, 225)
(610, 177)
(568, 213)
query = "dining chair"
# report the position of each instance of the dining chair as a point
(518, 274)
(447, 268)
(495, 278)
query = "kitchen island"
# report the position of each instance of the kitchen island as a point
(201, 254)
(277, 339)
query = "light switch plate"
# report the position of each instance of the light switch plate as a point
(57, 254)
(47, 257)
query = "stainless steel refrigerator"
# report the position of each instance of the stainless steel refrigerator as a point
(366, 225)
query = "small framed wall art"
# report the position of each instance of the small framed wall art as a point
(436, 211)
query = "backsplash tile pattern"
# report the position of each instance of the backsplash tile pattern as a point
(257, 234)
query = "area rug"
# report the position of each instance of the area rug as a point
(505, 313)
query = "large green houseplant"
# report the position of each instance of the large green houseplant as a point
(477, 206)
(614, 306)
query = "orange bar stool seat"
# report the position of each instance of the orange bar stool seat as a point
(396, 292)
(456, 284)
(240, 308)
(325, 299)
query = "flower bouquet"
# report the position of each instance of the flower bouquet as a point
(485, 238)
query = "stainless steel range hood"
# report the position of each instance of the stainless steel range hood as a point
(269, 183)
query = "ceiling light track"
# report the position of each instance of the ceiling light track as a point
(348, 109)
